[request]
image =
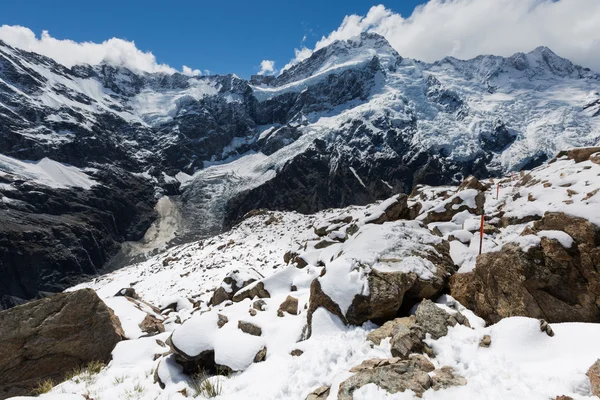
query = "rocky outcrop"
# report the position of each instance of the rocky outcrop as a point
(395, 375)
(48, 338)
(52, 238)
(548, 281)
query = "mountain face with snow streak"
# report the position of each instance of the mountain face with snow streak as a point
(353, 123)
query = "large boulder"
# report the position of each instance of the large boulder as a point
(551, 273)
(395, 375)
(381, 269)
(46, 339)
(471, 200)
(204, 343)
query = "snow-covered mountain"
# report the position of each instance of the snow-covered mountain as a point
(353, 123)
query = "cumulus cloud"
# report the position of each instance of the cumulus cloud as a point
(467, 28)
(114, 51)
(267, 67)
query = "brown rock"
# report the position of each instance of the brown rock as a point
(579, 154)
(547, 282)
(486, 341)
(320, 393)
(259, 305)
(471, 182)
(593, 375)
(46, 339)
(249, 328)
(387, 291)
(397, 208)
(256, 290)
(151, 325)
(297, 352)
(289, 305)
(261, 355)
(406, 340)
(222, 320)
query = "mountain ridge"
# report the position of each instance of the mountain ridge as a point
(354, 123)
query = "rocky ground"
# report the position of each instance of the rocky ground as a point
(385, 301)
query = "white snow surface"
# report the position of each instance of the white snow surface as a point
(46, 172)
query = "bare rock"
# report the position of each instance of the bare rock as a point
(486, 341)
(385, 331)
(297, 352)
(259, 305)
(256, 289)
(547, 282)
(249, 328)
(395, 375)
(320, 393)
(435, 321)
(46, 339)
(289, 305)
(406, 340)
(151, 325)
(593, 375)
(233, 282)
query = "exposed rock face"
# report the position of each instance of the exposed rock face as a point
(48, 338)
(548, 281)
(395, 375)
(593, 375)
(50, 238)
(249, 328)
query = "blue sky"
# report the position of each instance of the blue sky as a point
(221, 36)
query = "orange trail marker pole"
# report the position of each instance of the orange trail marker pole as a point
(497, 191)
(481, 234)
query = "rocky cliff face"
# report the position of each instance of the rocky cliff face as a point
(353, 123)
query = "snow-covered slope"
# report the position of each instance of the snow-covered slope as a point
(339, 247)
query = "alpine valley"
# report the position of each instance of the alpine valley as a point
(245, 231)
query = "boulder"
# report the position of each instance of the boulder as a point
(256, 289)
(151, 325)
(48, 338)
(385, 331)
(392, 209)
(548, 281)
(320, 393)
(289, 305)
(233, 282)
(331, 224)
(579, 154)
(435, 320)
(593, 375)
(471, 200)
(394, 375)
(396, 275)
(406, 340)
(471, 182)
(249, 328)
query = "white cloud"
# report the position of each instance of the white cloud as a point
(267, 67)
(113, 51)
(190, 72)
(467, 28)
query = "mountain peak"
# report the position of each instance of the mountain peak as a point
(360, 49)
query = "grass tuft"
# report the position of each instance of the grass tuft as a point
(203, 386)
(43, 387)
